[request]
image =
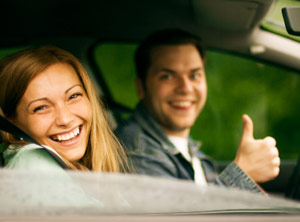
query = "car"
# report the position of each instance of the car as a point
(252, 66)
(86, 196)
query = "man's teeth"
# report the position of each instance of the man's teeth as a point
(182, 103)
(68, 136)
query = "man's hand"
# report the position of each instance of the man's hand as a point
(258, 158)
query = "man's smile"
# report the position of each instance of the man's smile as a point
(182, 104)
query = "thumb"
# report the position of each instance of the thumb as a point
(247, 127)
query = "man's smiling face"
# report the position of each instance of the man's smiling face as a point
(175, 87)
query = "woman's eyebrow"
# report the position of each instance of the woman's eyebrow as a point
(36, 100)
(73, 87)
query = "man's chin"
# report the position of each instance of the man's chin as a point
(182, 125)
(182, 130)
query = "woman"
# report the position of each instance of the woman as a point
(48, 94)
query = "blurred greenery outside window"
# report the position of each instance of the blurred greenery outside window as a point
(7, 51)
(236, 85)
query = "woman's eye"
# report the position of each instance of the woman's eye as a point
(39, 108)
(74, 96)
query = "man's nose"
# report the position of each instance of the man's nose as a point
(184, 85)
(64, 116)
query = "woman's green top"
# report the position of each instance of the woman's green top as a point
(31, 156)
(42, 180)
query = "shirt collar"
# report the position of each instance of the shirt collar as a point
(150, 125)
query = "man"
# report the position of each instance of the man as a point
(172, 87)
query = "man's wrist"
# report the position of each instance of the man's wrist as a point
(234, 176)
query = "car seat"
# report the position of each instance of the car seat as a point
(116, 113)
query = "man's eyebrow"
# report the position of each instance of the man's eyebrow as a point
(197, 69)
(45, 98)
(173, 71)
(167, 70)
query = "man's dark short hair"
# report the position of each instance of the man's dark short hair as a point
(161, 38)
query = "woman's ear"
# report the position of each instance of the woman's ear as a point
(140, 88)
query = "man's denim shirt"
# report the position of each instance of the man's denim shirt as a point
(151, 153)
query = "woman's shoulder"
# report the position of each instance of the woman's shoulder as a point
(30, 156)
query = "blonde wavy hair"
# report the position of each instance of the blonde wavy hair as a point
(104, 152)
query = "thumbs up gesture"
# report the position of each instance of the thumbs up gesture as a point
(258, 158)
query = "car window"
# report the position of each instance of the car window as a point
(116, 65)
(236, 85)
(7, 51)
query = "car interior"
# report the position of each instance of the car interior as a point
(252, 66)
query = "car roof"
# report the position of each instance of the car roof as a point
(232, 25)
(130, 19)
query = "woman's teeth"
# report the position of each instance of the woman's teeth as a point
(67, 136)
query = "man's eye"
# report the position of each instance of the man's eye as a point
(39, 108)
(195, 76)
(166, 76)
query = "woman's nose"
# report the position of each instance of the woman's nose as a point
(64, 116)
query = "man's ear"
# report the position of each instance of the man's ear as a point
(140, 88)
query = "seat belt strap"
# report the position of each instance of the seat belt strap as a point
(7, 126)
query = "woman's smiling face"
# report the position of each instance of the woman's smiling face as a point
(56, 111)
